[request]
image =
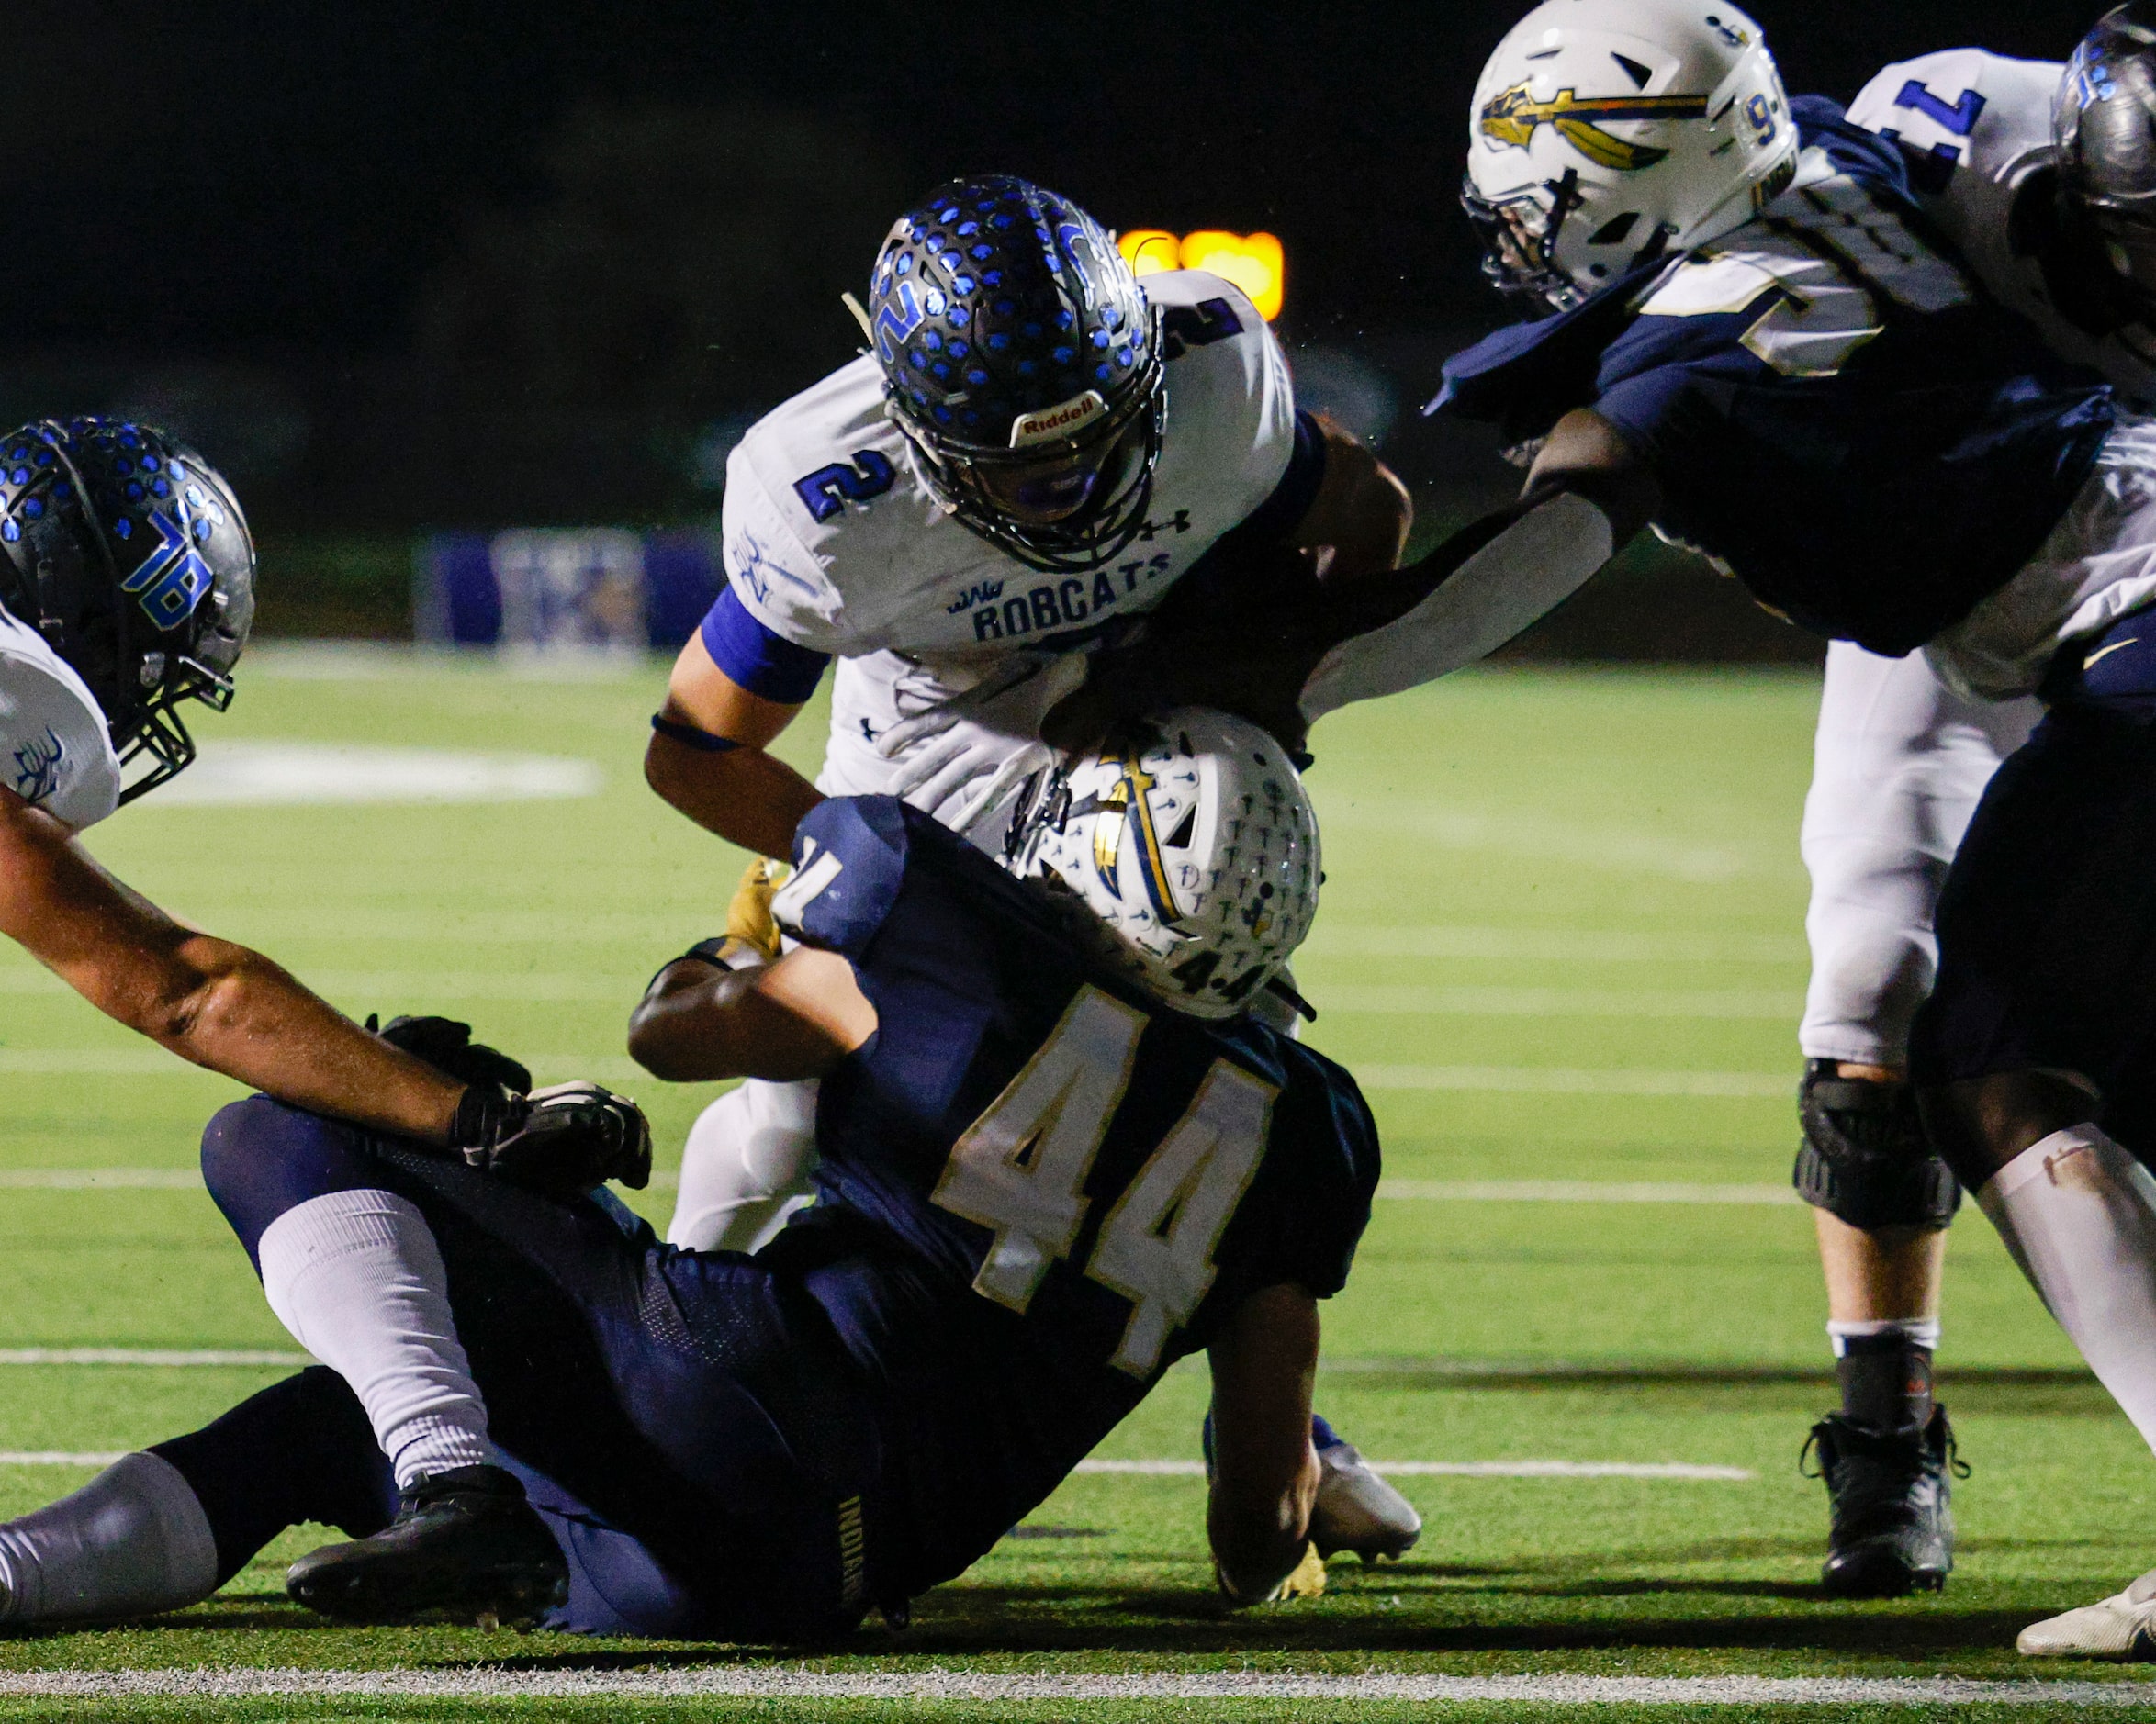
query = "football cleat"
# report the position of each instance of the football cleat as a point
(1893, 1528)
(466, 1546)
(2122, 1626)
(1356, 1511)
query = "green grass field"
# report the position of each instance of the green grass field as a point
(1561, 940)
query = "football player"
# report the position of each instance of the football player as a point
(1047, 1173)
(1742, 331)
(1901, 761)
(127, 591)
(1756, 346)
(1033, 450)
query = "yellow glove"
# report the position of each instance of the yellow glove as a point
(749, 918)
(1307, 1581)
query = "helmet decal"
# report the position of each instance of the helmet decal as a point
(1512, 115)
(1579, 172)
(1194, 848)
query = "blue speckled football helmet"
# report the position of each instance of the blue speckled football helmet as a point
(1023, 364)
(128, 551)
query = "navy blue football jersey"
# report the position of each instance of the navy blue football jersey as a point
(1834, 408)
(1038, 1189)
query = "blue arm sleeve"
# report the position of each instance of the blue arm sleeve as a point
(766, 664)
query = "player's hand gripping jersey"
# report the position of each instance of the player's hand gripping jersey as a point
(1975, 130)
(1038, 1190)
(55, 750)
(1834, 408)
(835, 547)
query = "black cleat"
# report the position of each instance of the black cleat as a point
(465, 1546)
(1893, 1528)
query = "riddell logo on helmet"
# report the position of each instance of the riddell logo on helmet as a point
(1060, 420)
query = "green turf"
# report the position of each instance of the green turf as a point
(1550, 815)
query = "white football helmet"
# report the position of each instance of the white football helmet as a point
(1605, 132)
(1192, 842)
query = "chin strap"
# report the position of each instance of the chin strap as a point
(1466, 599)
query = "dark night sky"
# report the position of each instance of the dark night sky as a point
(280, 178)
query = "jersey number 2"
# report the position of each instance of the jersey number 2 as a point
(1020, 1169)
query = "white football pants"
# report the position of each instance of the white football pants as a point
(746, 1164)
(1898, 764)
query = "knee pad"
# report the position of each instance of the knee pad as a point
(1864, 1159)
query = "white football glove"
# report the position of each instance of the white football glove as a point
(966, 756)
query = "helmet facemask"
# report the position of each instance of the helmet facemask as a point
(986, 487)
(1023, 364)
(102, 601)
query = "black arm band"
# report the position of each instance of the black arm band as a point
(689, 736)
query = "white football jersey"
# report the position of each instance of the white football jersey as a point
(833, 542)
(55, 752)
(1975, 126)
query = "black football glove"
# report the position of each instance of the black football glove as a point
(560, 1141)
(447, 1046)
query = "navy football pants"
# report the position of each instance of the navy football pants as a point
(686, 1423)
(2047, 922)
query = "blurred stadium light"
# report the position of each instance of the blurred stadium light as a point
(1251, 261)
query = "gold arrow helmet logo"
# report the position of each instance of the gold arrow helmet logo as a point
(1512, 115)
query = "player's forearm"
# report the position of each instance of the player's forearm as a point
(235, 1011)
(746, 796)
(1258, 1539)
(700, 1023)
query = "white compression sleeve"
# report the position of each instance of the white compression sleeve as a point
(357, 1278)
(745, 1168)
(1526, 571)
(131, 1542)
(2078, 1214)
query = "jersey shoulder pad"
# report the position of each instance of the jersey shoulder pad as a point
(1961, 107)
(797, 486)
(849, 861)
(55, 750)
(1230, 430)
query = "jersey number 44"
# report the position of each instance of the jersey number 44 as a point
(1020, 1169)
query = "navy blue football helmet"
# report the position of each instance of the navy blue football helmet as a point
(1023, 364)
(128, 551)
(2104, 138)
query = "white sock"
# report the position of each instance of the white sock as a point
(357, 1278)
(1918, 1331)
(2078, 1214)
(746, 1167)
(131, 1542)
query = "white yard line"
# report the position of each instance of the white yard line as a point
(180, 1359)
(1568, 945)
(1467, 1469)
(1580, 1191)
(1413, 1001)
(1183, 1469)
(149, 1061)
(154, 1062)
(99, 1179)
(1409, 1190)
(937, 1683)
(1780, 1086)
